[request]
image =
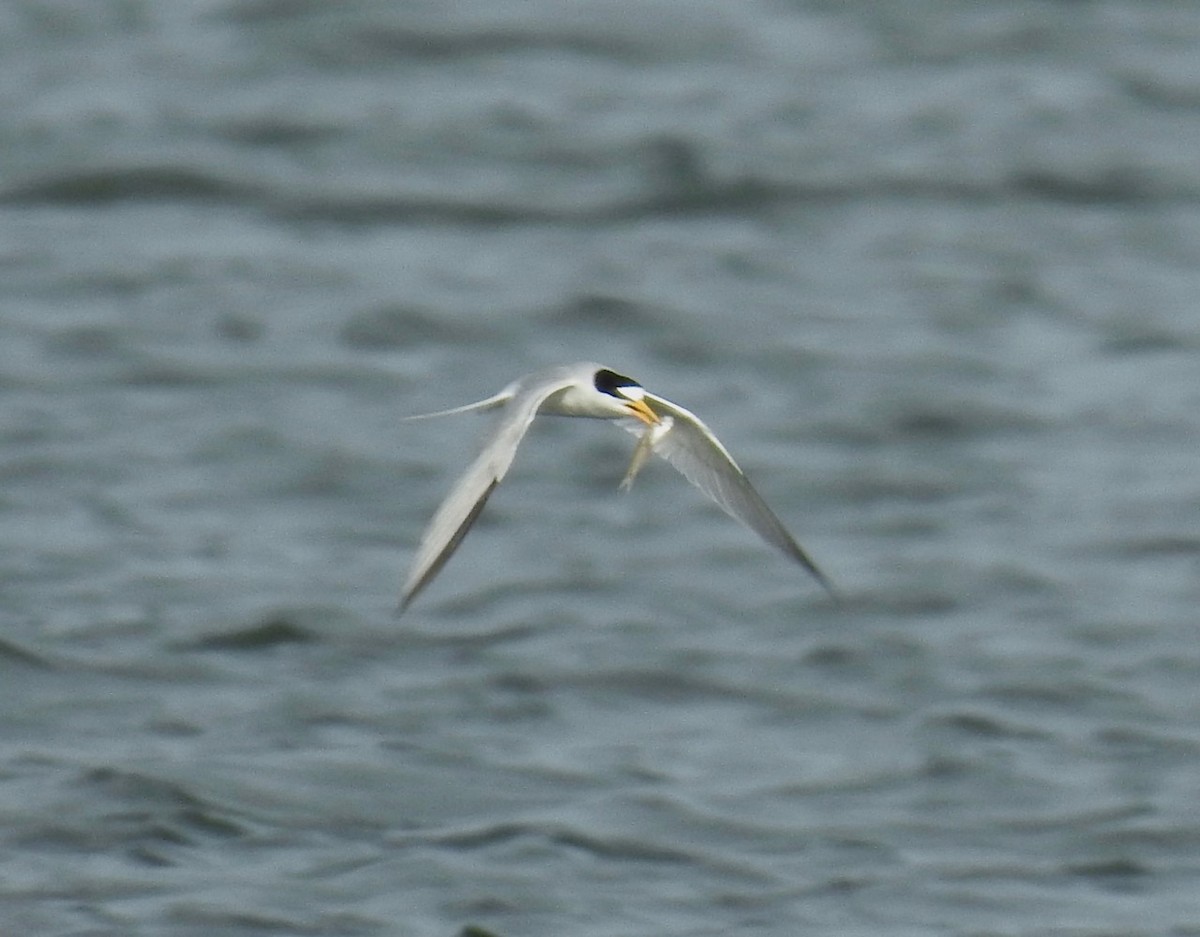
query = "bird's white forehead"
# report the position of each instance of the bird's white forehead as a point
(631, 392)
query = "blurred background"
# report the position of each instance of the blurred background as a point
(928, 268)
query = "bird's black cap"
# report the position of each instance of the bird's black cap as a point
(607, 382)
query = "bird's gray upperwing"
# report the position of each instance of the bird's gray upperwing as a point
(692, 449)
(458, 511)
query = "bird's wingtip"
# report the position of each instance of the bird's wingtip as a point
(826, 583)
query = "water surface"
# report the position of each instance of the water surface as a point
(928, 269)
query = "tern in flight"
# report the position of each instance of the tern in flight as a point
(591, 390)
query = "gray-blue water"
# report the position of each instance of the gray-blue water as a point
(930, 269)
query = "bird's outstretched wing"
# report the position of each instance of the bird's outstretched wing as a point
(699, 456)
(518, 405)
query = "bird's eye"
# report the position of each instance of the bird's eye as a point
(617, 385)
